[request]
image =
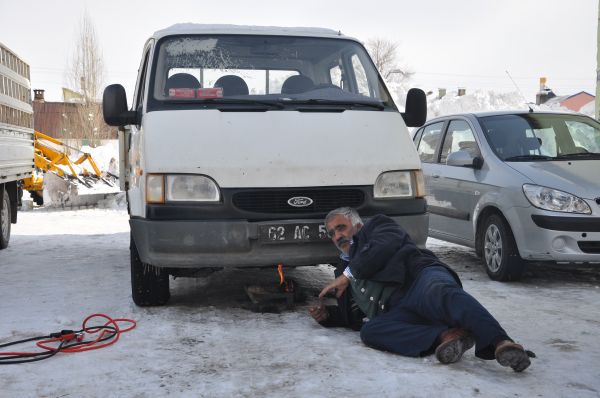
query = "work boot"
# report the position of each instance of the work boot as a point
(511, 354)
(452, 345)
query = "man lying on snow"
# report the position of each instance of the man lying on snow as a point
(414, 304)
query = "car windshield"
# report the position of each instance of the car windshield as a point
(541, 137)
(275, 71)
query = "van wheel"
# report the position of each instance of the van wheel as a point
(5, 216)
(499, 250)
(149, 284)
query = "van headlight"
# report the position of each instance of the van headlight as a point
(399, 184)
(555, 200)
(181, 188)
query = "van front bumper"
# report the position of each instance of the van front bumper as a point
(545, 236)
(236, 243)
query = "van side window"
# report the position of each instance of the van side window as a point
(417, 137)
(362, 84)
(141, 84)
(459, 137)
(430, 139)
(335, 75)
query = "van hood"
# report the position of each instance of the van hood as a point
(278, 148)
(576, 176)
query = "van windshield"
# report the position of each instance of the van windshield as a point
(265, 70)
(541, 137)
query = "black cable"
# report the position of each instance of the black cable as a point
(24, 341)
(38, 356)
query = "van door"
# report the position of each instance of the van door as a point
(131, 145)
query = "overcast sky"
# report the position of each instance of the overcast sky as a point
(448, 43)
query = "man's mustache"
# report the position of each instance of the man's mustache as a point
(341, 241)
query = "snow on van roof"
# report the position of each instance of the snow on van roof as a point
(193, 28)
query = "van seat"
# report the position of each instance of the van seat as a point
(232, 85)
(297, 84)
(182, 80)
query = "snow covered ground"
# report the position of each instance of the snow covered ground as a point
(64, 265)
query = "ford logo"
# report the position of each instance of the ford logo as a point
(300, 201)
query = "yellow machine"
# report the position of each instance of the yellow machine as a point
(57, 173)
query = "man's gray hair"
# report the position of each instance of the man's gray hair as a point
(348, 212)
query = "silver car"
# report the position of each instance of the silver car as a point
(515, 186)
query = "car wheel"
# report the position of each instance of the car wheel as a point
(149, 284)
(499, 250)
(5, 217)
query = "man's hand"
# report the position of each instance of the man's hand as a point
(339, 284)
(319, 312)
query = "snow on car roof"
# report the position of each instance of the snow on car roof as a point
(193, 28)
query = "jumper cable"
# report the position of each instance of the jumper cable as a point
(70, 341)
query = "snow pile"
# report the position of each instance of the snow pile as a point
(106, 156)
(114, 202)
(589, 109)
(478, 101)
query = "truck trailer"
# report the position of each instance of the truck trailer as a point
(16, 137)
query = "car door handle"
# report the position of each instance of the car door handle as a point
(435, 176)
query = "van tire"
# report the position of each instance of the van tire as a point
(149, 284)
(499, 250)
(5, 218)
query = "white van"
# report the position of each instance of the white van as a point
(242, 138)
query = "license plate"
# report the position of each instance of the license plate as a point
(292, 233)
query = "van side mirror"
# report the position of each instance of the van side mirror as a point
(415, 113)
(114, 107)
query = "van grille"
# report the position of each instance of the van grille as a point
(589, 246)
(276, 201)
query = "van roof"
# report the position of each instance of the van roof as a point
(193, 28)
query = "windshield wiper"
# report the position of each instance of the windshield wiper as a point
(350, 103)
(579, 155)
(241, 101)
(529, 157)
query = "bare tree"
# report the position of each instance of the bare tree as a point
(85, 76)
(385, 53)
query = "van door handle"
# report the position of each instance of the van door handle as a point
(435, 176)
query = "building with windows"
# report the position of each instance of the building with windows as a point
(15, 94)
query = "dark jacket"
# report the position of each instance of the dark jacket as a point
(383, 252)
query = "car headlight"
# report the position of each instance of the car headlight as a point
(181, 188)
(191, 188)
(555, 200)
(399, 184)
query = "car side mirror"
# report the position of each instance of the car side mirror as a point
(114, 107)
(463, 158)
(415, 113)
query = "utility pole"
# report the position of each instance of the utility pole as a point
(597, 113)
